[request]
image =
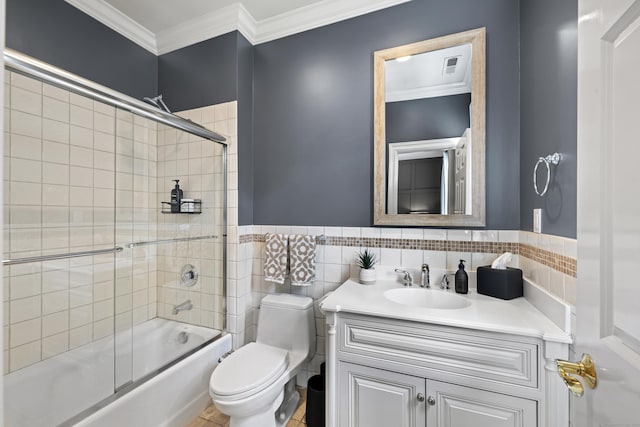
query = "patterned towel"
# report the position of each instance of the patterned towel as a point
(302, 259)
(275, 258)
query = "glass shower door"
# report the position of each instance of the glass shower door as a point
(59, 252)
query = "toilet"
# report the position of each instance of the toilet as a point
(255, 385)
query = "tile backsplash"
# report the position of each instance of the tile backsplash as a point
(548, 261)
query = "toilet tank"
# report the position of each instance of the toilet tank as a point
(286, 321)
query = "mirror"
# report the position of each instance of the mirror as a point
(429, 132)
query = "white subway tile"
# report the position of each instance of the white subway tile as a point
(55, 92)
(80, 156)
(459, 235)
(81, 137)
(26, 101)
(55, 344)
(54, 302)
(55, 323)
(25, 82)
(80, 336)
(24, 286)
(412, 233)
(25, 309)
(412, 259)
(55, 131)
(55, 152)
(391, 233)
(24, 355)
(23, 193)
(55, 195)
(24, 332)
(54, 173)
(25, 216)
(391, 257)
(25, 147)
(80, 176)
(26, 170)
(55, 109)
(104, 142)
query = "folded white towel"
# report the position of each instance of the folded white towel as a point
(275, 258)
(302, 259)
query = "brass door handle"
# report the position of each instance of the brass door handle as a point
(586, 369)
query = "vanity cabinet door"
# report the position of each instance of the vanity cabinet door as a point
(456, 406)
(376, 398)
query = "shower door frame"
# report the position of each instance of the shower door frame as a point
(31, 67)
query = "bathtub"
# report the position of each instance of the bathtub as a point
(53, 391)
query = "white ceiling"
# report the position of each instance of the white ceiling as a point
(424, 76)
(162, 26)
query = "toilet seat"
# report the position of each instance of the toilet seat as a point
(248, 371)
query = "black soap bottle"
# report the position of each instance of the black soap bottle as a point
(462, 279)
(176, 197)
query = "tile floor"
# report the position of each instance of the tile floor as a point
(211, 417)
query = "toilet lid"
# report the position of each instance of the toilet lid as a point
(250, 368)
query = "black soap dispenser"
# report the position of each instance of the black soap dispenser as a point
(462, 279)
(176, 197)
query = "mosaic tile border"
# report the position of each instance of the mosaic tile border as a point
(561, 263)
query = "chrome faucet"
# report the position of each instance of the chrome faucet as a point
(424, 276)
(444, 282)
(406, 280)
(182, 306)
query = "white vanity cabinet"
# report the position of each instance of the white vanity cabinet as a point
(379, 398)
(386, 372)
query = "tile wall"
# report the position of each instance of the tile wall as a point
(72, 167)
(198, 165)
(548, 261)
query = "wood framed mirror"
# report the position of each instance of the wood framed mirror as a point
(429, 132)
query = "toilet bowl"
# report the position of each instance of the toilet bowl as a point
(255, 385)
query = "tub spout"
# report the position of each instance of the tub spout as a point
(182, 306)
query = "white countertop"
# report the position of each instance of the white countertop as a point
(485, 313)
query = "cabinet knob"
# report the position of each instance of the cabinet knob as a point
(431, 400)
(420, 397)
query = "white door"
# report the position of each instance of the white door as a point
(608, 299)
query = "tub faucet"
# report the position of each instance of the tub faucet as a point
(182, 306)
(424, 276)
(406, 280)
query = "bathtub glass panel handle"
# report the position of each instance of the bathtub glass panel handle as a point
(60, 256)
(178, 239)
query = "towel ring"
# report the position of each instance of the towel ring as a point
(550, 159)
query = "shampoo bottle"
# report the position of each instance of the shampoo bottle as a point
(176, 197)
(462, 279)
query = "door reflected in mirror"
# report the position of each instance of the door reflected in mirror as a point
(429, 101)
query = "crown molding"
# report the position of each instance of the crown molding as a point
(117, 21)
(230, 18)
(317, 15)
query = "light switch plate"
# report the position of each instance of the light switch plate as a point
(537, 220)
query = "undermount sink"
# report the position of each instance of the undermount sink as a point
(427, 298)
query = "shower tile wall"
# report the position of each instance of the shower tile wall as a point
(197, 163)
(64, 157)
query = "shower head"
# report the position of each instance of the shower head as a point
(158, 103)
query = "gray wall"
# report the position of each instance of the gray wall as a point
(548, 111)
(427, 118)
(313, 121)
(61, 35)
(211, 72)
(202, 74)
